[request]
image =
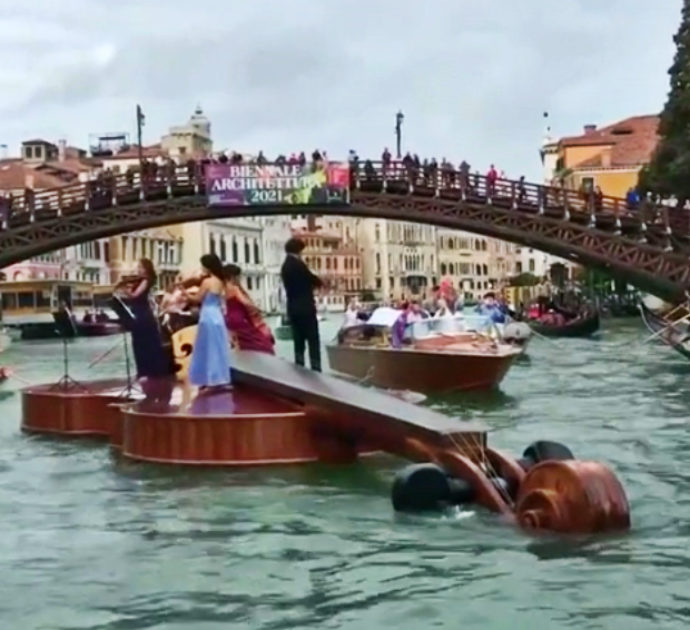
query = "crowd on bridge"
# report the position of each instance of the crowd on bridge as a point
(417, 173)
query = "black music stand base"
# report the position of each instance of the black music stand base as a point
(131, 386)
(66, 382)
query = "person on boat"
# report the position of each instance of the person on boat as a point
(443, 311)
(447, 292)
(411, 314)
(351, 314)
(300, 283)
(248, 330)
(210, 365)
(88, 318)
(533, 312)
(149, 355)
(490, 309)
(552, 318)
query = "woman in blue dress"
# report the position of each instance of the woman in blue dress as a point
(210, 364)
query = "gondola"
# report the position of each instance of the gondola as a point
(583, 325)
(675, 335)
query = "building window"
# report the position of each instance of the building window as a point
(486, 270)
(443, 269)
(531, 265)
(451, 269)
(378, 283)
(246, 251)
(249, 282)
(28, 152)
(222, 248)
(256, 252)
(235, 256)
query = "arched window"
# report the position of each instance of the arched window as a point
(443, 269)
(211, 244)
(479, 270)
(256, 252)
(451, 270)
(483, 246)
(486, 270)
(235, 254)
(223, 251)
(246, 251)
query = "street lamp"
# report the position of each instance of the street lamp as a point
(399, 117)
(140, 123)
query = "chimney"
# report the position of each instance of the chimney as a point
(606, 157)
(62, 150)
(589, 129)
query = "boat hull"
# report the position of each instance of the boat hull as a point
(673, 336)
(98, 329)
(418, 370)
(584, 327)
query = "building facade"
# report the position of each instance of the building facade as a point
(399, 259)
(339, 265)
(163, 246)
(475, 264)
(609, 158)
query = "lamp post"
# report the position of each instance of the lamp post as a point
(140, 123)
(399, 117)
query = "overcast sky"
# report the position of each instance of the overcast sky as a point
(473, 77)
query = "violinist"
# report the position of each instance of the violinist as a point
(176, 309)
(149, 354)
(246, 326)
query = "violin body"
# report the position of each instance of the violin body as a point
(182, 345)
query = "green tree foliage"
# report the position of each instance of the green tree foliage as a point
(668, 174)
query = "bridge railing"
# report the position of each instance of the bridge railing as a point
(110, 189)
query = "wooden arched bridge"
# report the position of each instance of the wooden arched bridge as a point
(641, 245)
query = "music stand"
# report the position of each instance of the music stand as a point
(127, 320)
(65, 327)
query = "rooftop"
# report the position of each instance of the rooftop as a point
(13, 176)
(631, 141)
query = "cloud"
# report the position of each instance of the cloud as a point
(472, 77)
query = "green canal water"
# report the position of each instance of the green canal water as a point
(89, 542)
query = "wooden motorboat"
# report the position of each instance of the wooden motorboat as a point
(583, 325)
(674, 332)
(432, 363)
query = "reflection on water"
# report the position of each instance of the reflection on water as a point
(91, 541)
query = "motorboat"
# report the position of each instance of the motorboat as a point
(432, 359)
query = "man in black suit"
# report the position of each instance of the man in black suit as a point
(299, 285)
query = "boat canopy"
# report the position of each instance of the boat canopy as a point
(384, 316)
